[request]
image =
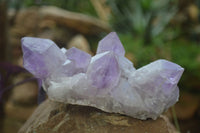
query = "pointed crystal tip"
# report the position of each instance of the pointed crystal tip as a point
(41, 56)
(111, 43)
(104, 71)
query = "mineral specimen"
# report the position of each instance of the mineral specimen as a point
(107, 81)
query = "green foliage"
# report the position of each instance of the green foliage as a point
(133, 45)
(185, 53)
(179, 51)
(144, 18)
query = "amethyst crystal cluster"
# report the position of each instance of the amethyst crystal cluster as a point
(107, 81)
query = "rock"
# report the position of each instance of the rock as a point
(80, 42)
(57, 117)
(77, 21)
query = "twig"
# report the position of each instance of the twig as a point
(175, 119)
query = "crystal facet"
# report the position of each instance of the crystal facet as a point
(80, 58)
(104, 71)
(111, 43)
(107, 81)
(41, 56)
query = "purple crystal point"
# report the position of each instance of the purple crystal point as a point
(157, 84)
(104, 71)
(111, 43)
(172, 73)
(80, 58)
(158, 75)
(41, 56)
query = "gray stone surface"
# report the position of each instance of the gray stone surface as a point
(54, 117)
